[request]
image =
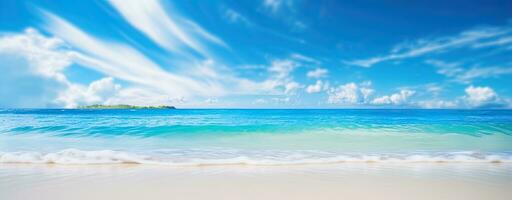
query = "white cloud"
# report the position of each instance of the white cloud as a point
(349, 93)
(291, 87)
(463, 75)
(282, 68)
(317, 73)
(487, 72)
(31, 69)
(46, 56)
(303, 58)
(280, 77)
(366, 93)
(170, 32)
(479, 96)
(447, 69)
(317, 87)
(36, 74)
(497, 42)
(201, 77)
(124, 62)
(96, 93)
(142, 96)
(432, 104)
(428, 46)
(394, 99)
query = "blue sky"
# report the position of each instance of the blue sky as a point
(257, 54)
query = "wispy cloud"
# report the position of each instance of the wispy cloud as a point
(304, 58)
(496, 42)
(235, 17)
(202, 77)
(47, 59)
(119, 60)
(466, 75)
(170, 32)
(469, 38)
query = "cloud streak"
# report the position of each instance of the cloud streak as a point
(119, 60)
(170, 32)
(469, 38)
(467, 75)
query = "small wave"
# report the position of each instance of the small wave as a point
(75, 156)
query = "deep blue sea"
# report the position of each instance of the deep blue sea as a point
(253, 137)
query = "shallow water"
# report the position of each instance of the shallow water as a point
(256, 137)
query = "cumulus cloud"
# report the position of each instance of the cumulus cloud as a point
(98, 92)
(480, 96)
(317, 87)
(46, 56)
(395, 99)
(31, 66)
(280, 77)
(317, 73)
(349, 94)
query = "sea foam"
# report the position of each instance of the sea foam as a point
(80, 157)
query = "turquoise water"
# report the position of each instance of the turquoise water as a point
(204, 136)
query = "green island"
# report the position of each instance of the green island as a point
(123, 106)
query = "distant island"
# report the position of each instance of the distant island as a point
(123, 106)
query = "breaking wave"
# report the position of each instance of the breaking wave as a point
(80, 157)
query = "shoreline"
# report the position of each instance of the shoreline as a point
(346, 181)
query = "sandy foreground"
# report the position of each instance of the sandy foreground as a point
(340, 181)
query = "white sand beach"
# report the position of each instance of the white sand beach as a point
(340, 181)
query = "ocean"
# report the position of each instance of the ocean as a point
(197, 137)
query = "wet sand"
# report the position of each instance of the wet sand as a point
(340, 181)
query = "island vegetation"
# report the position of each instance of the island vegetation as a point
(124, 106)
